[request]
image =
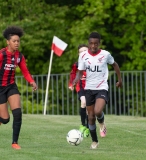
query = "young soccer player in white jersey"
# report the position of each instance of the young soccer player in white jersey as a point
(95, 61)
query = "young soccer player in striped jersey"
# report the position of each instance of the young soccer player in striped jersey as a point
(95, 61)
(80, 90)
(10, 58)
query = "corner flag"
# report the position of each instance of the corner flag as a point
(58, 46)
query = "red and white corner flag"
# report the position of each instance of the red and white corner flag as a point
(58, 46)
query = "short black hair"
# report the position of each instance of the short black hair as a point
(82, 45)
(11, 31)
(95, 35)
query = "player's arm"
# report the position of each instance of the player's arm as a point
(81, 68)
(26, 74)
(117, 70)
(78, 77)
(72, 76)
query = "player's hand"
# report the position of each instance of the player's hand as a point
(71, 88)
(75, 81)
(34, 86)
(119, 84)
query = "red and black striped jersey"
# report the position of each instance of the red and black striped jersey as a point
(81, 83)
(8, 64)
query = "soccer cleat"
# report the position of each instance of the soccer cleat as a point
(94, 145)
(82, 129)
(15, 146)
(103, 130)
(86, 133)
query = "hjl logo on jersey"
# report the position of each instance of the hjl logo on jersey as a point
(93, 69)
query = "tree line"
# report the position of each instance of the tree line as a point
(122, 25)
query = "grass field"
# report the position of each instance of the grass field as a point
(44, 138)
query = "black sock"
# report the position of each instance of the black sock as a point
(83, 116)
(17, 120)
(94, 135)
(93, 132)
(101, 118)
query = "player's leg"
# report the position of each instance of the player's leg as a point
(101, 100)
(84, 117)
(14, 101)
(90, 102)
(100, 103)
(92, 126)
(82, 111)
(87, 119)
(4, 114)
(83, 107)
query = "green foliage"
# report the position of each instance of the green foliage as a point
(40, 23)
(65, 2)
(120, 23)
(122, 26)
(130, 33)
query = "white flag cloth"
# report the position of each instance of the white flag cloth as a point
(58, 46)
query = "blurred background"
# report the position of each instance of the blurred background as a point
(121, 23)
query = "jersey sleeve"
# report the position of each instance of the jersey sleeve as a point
(81, 65)
(24, 70)
(72, 74)
(110, 59)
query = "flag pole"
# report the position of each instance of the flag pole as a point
(48, 80)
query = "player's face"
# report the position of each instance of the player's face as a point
(13, 43)
(93, 44)
(82, 49)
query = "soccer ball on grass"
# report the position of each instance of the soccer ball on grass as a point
(74, 137)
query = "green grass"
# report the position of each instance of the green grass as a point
(44, 138)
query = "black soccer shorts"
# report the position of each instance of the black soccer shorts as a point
(92, 95)
(6, 91)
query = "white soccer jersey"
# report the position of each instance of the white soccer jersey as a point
(96, 66)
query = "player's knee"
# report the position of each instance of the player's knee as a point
(17, 114)
(98, 114)
(100, 118)
(4, 121)
(83, 101)
(91, 119)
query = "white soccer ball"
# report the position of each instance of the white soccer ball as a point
(74, 137)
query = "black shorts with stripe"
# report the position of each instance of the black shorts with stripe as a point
(92, 95)
(6, 91)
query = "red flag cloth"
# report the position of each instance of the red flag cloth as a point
(58, 46)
